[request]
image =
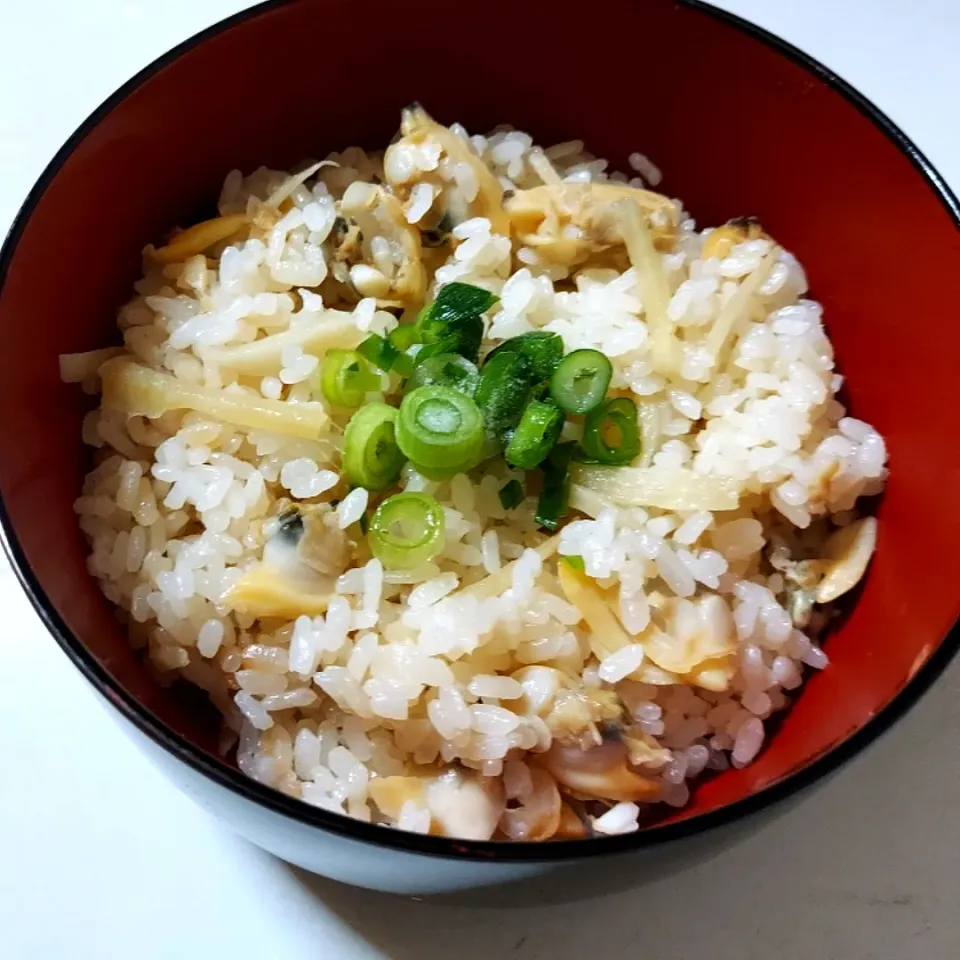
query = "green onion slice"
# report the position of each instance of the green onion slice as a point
(611, 434)
(555, 494)
(345, 378)
(542, 348)
(406, 530)
(453, 322)
(379, 351)
(455, 303)
(440, 430)
(503, 392)
(371, 456)
(536, 434)
(446, 370)
(574, 561)
(404, 336)
(580, 382)
(464, 338)
(384, 355)
(511, 494)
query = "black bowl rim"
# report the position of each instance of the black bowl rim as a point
(342, 825)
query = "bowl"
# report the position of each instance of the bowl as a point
(741, 122)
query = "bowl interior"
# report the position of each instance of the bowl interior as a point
(738, 128)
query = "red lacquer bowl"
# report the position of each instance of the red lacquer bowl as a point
(741, 123)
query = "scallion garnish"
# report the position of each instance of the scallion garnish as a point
(404, 336)
(406, 531)
(345, 378)
(542, 348)
(511, 494)
(455, 303)
(580, 381)
(384, 355)
(440, 430)
(446, 370)
(464, 338)
(453, 322)
(535, 435)
(371, 456)
(555, 493)
(503, 392)
(611, 434)
(454, 415)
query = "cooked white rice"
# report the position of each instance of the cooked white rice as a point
(407, 699)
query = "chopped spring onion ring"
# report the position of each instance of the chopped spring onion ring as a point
(404, 336)
(554, 499)
(536, 434)
(503, 391)
(463, 338)
(511, 494)
(440, 430)
(446, 370)
(611, 434)
(406, 531)
(543, 349)
(453, 322)
(555, 494)
(573, 560)
(371, 456)
(455, 303)
(465, 342)
(580, 382)
(384, 355)
(345, 378)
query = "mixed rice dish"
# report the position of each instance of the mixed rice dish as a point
(483, 494)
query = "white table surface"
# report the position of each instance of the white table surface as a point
(101, 858)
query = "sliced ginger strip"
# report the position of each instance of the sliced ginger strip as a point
(263, 357)
(138, 390)
(607, 635)
(654, 287)
(496, 583)
(198, 238)
(735, 313)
